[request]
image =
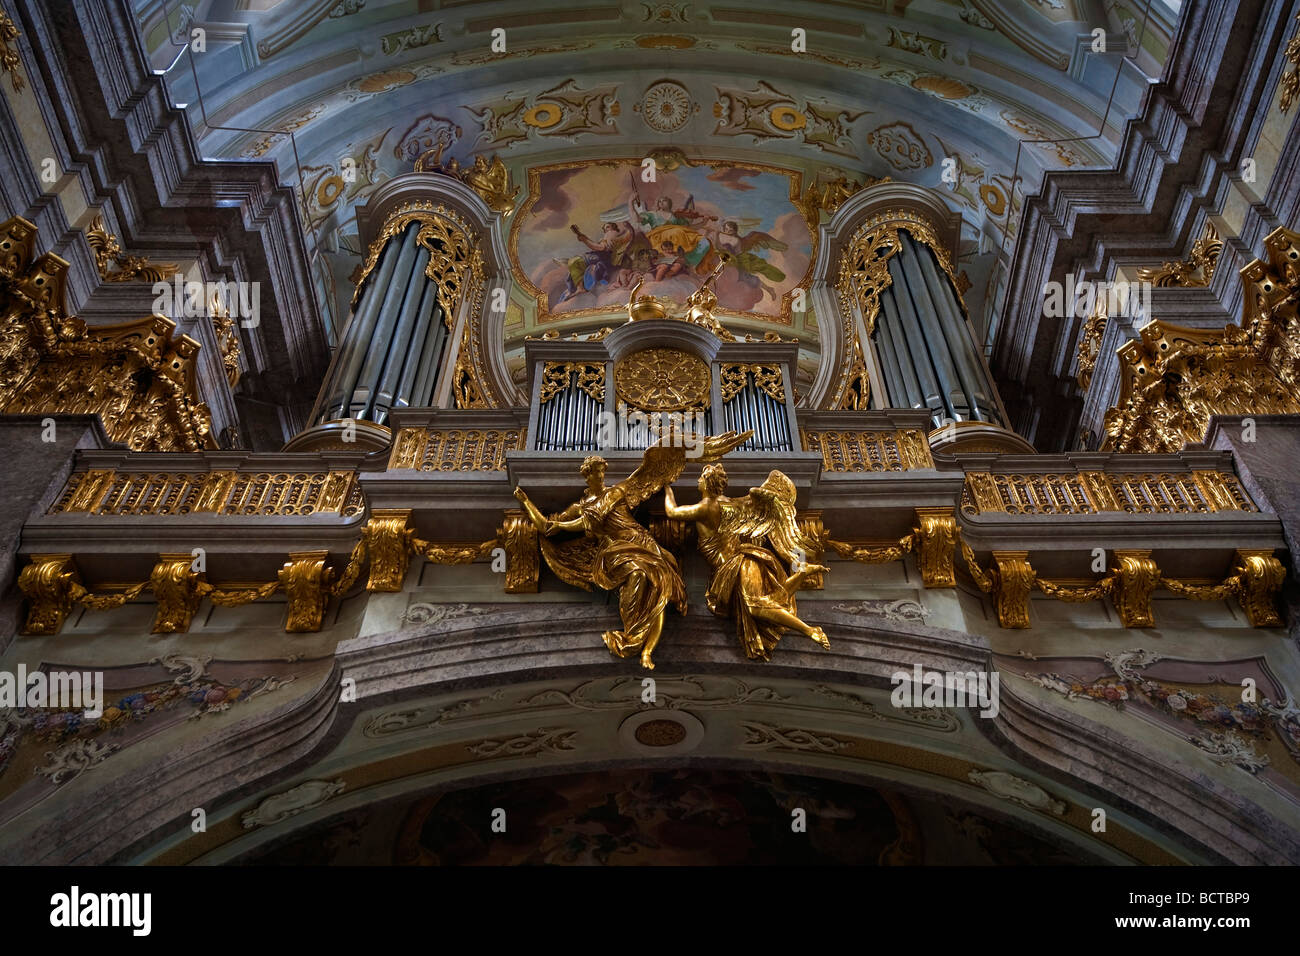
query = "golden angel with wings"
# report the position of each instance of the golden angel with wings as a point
(615, 552)
(750, 543)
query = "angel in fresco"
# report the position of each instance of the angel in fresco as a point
(672, 230)
(615, 552)
(749, 263)
(750, 542)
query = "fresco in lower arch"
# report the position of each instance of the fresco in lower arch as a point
(588, 231)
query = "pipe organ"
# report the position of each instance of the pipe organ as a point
(625, 392)
(397, 344)
(896, 279)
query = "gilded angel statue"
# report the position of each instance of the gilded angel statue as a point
(615, 552)
(750, 542)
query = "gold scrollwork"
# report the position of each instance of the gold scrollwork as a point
(306, 580)
(447, 237)
(864, 276)
(1196, 270)
(108, 253)
(556, 377)
(1173, 379)
(136, 376)
(768, 378)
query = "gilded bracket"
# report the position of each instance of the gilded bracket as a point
(1013, 580)
(1136, 577)
(48, 583)
(936, 537)
(306, 581)
(177, 588)
(518, 536)
(388, 543)
(1259, 575)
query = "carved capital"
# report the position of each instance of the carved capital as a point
(936, 535)
(1013, 580)
(518, 535)
(177, 588)
(388, 543)
(48, 583)
(306, 581)
(1136, 576)
(1260, 577)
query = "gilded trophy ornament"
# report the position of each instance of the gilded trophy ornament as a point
(699, 304)
(615, 552)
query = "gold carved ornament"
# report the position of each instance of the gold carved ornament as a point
(138, 378)
(767, 378)
(1290, 81)
(1173, 379)
(1092, 492)
(933, 539)
(222, 492)
(699, 304)
(1255, 580)
(645, 575)
(864, 276)
(827, 193)
(448, 239)
(1090, 343)
(903, 450)
(662, 380)
(1196, 270)
(9, 61)
(455, 449)
(490, 179)
(557, 376)
(108, 253)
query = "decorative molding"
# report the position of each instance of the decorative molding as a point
(1018, 790)
(139, 379)
(281, 806)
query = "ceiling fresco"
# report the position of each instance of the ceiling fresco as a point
(589, 232)
(667, 818)
(974, 98)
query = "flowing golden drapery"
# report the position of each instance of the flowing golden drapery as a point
(619, 555)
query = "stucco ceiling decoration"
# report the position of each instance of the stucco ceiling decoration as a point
(355, 95)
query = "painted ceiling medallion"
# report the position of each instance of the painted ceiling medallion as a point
(665, 41)
(667, 106)
(943, 86)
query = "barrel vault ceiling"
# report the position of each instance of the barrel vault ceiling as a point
(956, 95)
